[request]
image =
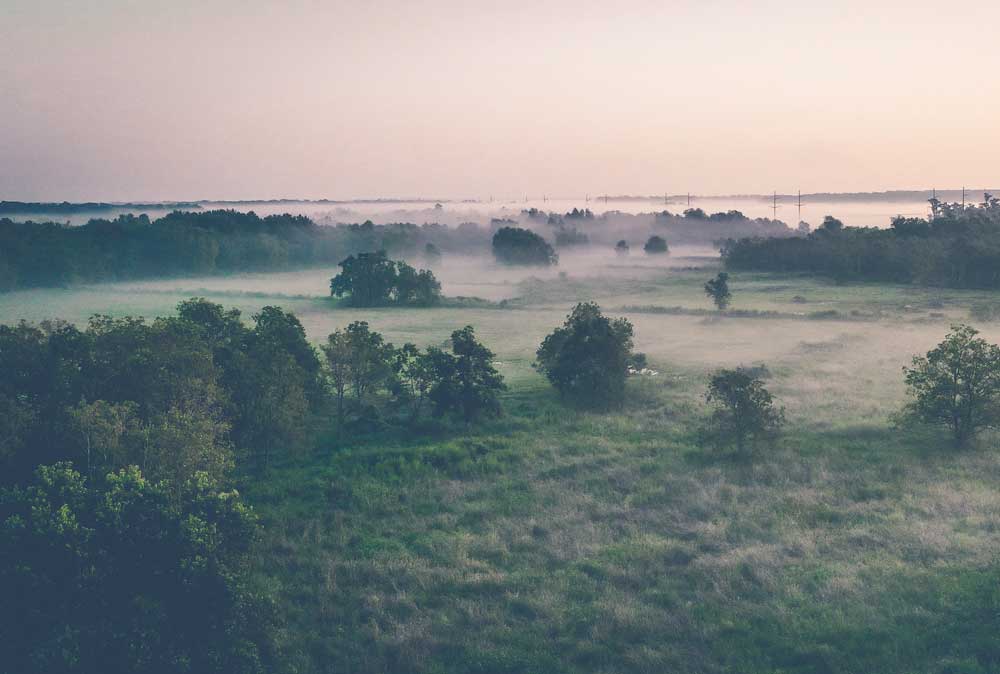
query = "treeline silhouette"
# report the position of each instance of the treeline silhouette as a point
(185, 243)
(956, 246)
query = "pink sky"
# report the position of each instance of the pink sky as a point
(119, 100)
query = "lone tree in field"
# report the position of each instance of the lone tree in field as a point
(513, 245)
(655, 245)
(744, 413)
(587, 358)
(372, 280)
(957, 384)
(718, 290)
(622, 247)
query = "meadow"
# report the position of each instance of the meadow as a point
(555, 540)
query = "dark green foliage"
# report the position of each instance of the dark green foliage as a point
(831, 225)
(359, 363)
(718, 290)
(956, 247)
(513, 245)
(373, 280)
(362, 365)
(744, 413)
(195, 243)
(465, 382)
(118, 576)
(957, 384)
(570, 236)
(173, 396)
(655, 245)
(588, 357)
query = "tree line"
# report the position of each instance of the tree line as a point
(186, 243)
(955, 246)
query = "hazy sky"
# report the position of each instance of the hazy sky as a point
(185, 99)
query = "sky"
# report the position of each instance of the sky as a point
(150, 100)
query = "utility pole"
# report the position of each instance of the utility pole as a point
(774, 205)
(800, 205)
(963, 197)
(689, 200)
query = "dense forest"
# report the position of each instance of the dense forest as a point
(955, 246)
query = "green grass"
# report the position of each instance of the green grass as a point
(554, 540)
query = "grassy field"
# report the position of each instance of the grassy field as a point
(553, 540)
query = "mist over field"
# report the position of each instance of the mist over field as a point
(499, 338)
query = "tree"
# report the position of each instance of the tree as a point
(367, 280)
(718, 290)
(957, 384)
(414, 378)
(744, 411)
(118, 576)
(415, 288)
(516, 246)
(372, 279)
(587, 358)
(103, 428)
(184, 441)
(655, 245)
(621, 247)
(465, 381)
(360, 360)
(831, 225)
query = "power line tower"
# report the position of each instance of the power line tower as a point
(774, 205)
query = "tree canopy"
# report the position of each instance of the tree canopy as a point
(718, 289)
(655, 245)
(956, 246)
(372, 280)
(516, 246)
(118, 575)
(957, 384)
(586, 359)
(743, 412)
